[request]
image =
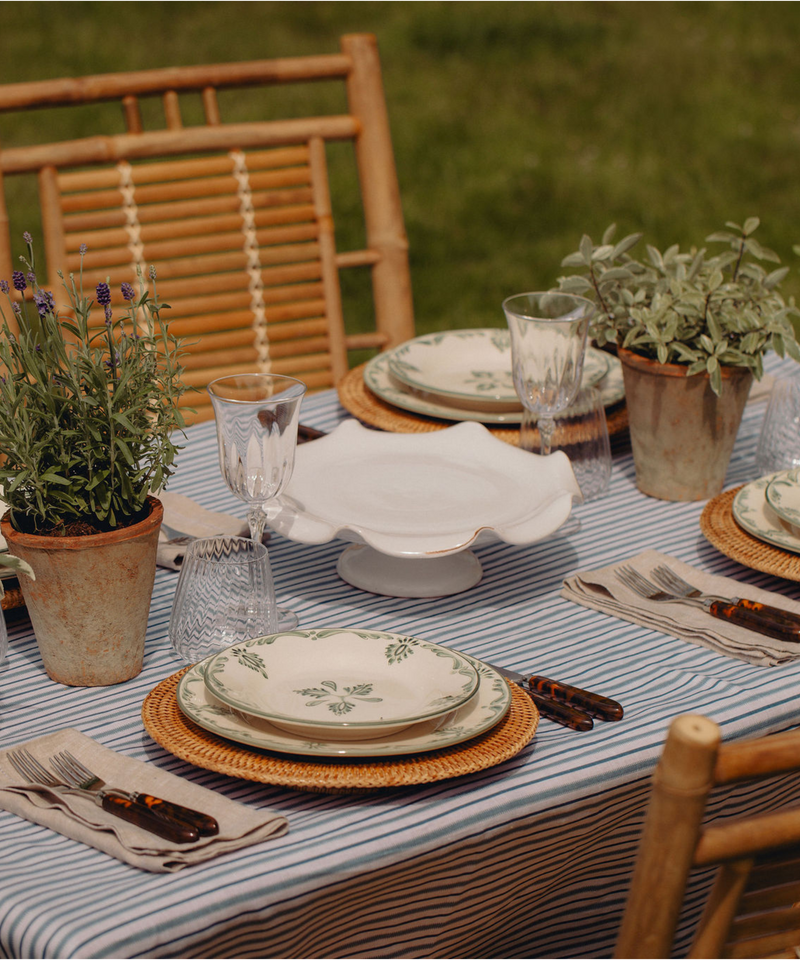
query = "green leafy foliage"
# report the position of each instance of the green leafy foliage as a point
(87, 412)
(688, 308)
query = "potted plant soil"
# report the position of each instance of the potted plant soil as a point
(88, 406)
(691, 331)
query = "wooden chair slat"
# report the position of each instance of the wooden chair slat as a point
(157, 143)
(235, 319)
(93, 220)
(190, 169)
(182, 190)
(191, 245)
(240, 299)
(213, 263)
(115, 86)
(767, 946)
(734, 840)
(162, 230)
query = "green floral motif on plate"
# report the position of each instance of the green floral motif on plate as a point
(338, 703)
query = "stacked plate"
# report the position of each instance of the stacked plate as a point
(769, 509)
(466, 375)
(343, 693)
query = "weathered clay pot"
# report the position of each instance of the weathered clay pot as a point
(682, 433)
(91, 598)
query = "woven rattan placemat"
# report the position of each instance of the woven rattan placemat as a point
(357, 399)
(12, 597)
(168, 726)
(722, 531)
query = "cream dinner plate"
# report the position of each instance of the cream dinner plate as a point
(471, 368)
(479, 714)
(753, 513)
(340, 683)
(379, 380)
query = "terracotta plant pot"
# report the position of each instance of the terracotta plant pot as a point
(682, 433)
(91, 598)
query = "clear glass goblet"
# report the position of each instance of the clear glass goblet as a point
(257, 416)
(548, 343)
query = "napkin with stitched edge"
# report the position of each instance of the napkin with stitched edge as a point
(602, 590)
(84, 820)
(182, 516)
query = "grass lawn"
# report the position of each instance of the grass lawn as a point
(517, 126)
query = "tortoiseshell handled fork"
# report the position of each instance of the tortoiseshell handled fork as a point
(116, 803)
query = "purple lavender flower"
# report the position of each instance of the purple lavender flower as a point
(16, 308)
(152, 272)
(82, 249)
(103, 294)
(44, 302)
(127, 291)
(32, 278)
(4, 286)
(108, 315)
(18, 279)
(27, 237)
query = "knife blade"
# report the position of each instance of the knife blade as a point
(564, 693)
(561, 713)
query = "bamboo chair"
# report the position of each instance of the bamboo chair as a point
(235, 217)
(752, 909)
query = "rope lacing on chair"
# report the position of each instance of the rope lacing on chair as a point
(256, 284)
(132, 226)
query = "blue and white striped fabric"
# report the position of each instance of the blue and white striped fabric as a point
(528, 859)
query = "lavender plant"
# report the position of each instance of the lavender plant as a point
(87, 413)
(688, 308)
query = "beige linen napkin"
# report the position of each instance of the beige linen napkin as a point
(82, 819)
(185, 517)
(602, 590)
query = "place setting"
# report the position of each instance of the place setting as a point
(459, 376)
(758, 523)
(340, 710)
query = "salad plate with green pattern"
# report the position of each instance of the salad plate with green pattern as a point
(341, 683)
(480, 713)
(471, 368)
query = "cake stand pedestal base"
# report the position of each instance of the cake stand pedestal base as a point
(425, 577)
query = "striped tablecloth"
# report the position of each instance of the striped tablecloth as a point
(528, 859)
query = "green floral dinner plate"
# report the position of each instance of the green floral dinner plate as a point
(753, 513)
(471, 368)
(341, 683)
(379, 380)
(479, 714)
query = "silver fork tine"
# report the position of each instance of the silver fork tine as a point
(636, 582)
(29, 767)
(63, 771)
(672, 581)
(80, 769)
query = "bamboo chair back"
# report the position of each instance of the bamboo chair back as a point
(753, 908)
(236, 218)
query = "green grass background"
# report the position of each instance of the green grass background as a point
(516, 126)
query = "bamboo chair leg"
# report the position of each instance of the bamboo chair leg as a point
(681, 784)
(720, 909)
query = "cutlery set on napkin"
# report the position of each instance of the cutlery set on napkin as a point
(137, 812)
(724, 615)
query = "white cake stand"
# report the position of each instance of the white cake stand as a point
(411, 505)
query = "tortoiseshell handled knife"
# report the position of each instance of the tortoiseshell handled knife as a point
(564, 694)
(559, 712)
